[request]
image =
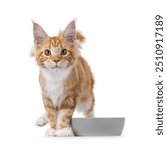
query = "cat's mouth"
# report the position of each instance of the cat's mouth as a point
(57, 67)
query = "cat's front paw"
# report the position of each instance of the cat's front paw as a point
(64, 132)
(41, 121)
(51, 132)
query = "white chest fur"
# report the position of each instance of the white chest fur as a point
(54, 83)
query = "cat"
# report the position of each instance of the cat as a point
(65, 78)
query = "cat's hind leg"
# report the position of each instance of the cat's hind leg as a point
(88, 108)
(41, 121)
(89, 113)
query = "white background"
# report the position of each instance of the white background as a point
(120, 50)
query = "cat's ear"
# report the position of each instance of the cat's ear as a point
(69, 33)
(39, 34)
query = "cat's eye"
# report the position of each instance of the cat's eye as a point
(63, 52)
(47, 52)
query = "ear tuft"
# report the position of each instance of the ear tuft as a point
(39, 34)
(69, 34)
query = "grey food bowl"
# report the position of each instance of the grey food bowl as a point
(98, 126)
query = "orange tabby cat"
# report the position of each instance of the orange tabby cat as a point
(65, 78)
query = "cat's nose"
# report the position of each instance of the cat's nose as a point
(56, 60)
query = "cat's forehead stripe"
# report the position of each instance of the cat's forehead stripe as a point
(55, 42)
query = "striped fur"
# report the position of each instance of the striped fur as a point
(65, 78)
